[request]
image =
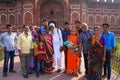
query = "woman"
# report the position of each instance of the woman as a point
(96, 55)
(57, 44)
(73, 56)
(47, 38)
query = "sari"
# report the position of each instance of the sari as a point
(47, 38)
(72, 58)
(95, 56)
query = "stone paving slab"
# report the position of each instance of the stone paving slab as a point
(53, 76)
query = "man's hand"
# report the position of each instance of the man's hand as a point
(31, 51)
(61, 48)
(20, 52)
(4, 48)
(112, 55)
(103, 60)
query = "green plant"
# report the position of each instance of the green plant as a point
(1, 55)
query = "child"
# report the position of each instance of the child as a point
(32, 61)
(41, 52)
(69, 44)
(35, 45)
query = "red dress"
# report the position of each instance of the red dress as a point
(41, 54)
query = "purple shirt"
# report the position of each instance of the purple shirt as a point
(65, 34)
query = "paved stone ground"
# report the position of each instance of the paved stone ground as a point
(53, 76)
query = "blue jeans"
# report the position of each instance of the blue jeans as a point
(40, 66)
(7, 55)
(107, 65)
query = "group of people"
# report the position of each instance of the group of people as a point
(40, 49)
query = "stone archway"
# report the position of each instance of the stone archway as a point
(52, 10)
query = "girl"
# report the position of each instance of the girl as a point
(41, 53)
(35, 45)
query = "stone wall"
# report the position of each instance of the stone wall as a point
(93, 12)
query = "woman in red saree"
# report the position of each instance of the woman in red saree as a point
(47, 38)
(73, 56)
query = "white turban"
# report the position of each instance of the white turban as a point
(55, 29)
(52, 24)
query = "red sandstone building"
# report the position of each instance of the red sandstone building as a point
(93, 12)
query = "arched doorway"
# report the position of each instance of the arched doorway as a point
(52, 10)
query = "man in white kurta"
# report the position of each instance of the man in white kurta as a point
(57, 44)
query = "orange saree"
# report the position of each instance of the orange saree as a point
(73, 59)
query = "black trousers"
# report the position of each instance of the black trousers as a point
(86, 62)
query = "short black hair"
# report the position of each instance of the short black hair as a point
(41, 41)
(77, 21)
(36, 36)
(25, 26)
(105, 24)
(8, 25)
(44, 20)
(66, 23)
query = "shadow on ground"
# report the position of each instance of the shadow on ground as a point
(53, 76)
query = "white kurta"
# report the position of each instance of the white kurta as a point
(57, 43)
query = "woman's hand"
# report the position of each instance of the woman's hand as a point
(73, 47)
(103, 60)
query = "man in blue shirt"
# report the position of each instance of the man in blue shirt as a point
(9, 46)
(42, 28)
(110, 49)
(65, 34)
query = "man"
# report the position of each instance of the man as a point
(110, 49)
(78, 27)
(25, 48)
(84, 38)
(42, 28)
(9, 46)
(65, 34)
(57, 44)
